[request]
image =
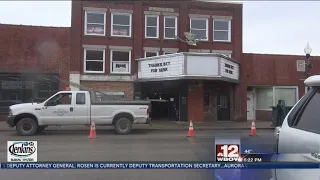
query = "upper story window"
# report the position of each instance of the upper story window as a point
(121, 24)
(152, 26)
(95, 23)
(120, 61)
(151, 53)
(222, 30)
(199, 27)
(170, 27)
(94, 60)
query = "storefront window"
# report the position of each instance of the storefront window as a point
(269, 96)
(27, 87)
(286, 94)
(264, 98)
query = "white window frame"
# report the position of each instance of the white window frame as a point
(274, 103)
(111, 61)
(229, 30)
(130, 24)
(86, 22)
(85, 60)
(207, 27)
(145, 53)
(145, 26)
(164, 27)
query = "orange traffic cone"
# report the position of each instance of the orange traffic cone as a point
(190, 132)
(253, 131)
(92, 134)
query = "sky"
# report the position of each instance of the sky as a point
(269, 27)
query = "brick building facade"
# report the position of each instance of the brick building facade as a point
(105, 41)
(274, 74)
(34, 63)
(108, 37)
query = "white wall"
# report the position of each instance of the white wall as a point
(202, 66)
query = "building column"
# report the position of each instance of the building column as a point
(183, 25)
(240, 103)
(74, 80)
(183, 101)
(195, 102)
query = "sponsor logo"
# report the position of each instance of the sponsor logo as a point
(22, 151)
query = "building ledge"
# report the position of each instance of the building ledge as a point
(105, 78)
(217, 78)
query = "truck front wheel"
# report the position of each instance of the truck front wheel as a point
(27, 127)
(123, 126)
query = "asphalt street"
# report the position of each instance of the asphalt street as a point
(141, 145)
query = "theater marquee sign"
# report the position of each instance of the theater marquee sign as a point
(159, 68)
(188, 65)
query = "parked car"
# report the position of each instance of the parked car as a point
(78, 108)
(5, 104)
(298, 139)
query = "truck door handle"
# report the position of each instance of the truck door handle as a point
(71, 109)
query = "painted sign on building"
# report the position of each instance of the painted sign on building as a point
(158, 68)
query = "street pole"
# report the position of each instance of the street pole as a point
(308, 65)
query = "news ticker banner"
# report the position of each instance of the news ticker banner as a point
(227, 150)
(157, 165)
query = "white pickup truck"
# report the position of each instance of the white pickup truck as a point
(78, 108)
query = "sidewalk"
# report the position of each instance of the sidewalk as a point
(168, 125)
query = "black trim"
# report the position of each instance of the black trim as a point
(293, 117)
(10, 120)
(312, 91)
(134, 102)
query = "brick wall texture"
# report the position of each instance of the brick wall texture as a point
(25, 49)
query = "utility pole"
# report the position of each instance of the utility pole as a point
(308, 65)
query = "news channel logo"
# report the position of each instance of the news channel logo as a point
(228, 150)
(22, 151)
